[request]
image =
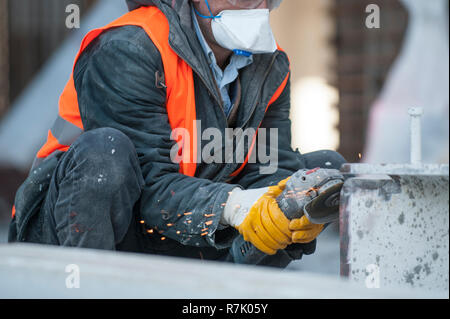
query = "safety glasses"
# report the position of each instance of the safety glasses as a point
(246, 4)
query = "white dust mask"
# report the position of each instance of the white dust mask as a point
(246, 30)
(243, 30)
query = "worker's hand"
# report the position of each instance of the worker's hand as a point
(262, 223)
(303, 231)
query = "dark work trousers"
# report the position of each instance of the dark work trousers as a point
(93, 197)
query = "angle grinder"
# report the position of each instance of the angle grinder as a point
(314, 193)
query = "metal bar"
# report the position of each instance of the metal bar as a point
(416, 135)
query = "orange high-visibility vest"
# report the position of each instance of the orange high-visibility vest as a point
(180, 92)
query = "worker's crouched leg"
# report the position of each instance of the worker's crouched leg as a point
(324, 159)
(93, 191)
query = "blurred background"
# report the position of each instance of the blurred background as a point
(351, 85)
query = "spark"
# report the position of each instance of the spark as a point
(189, 213)
(163, 238)
(150, 231)
(210, 215)
(142, 221)
(359, 155)
(204, 229)
(204, 234)
(208, 223)
(169, 225)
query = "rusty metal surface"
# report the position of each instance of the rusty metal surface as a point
(398, 224)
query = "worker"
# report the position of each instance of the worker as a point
(121, 169)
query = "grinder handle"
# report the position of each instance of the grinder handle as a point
(289, 206)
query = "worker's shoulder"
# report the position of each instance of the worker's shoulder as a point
(283, 57)
(129, 44)
(130, 34)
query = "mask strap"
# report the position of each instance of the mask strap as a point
(210, 11)
(243, 53)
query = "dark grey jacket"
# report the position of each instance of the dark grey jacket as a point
(116, 82)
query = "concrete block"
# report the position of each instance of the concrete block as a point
(394, 225)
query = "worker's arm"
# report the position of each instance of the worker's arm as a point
(115, 82)
(289, 162)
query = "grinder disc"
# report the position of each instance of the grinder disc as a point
(325, 207)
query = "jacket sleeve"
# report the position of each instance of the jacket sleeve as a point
(115, 83)
(288, 160)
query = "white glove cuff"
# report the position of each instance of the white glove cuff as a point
(238, 205)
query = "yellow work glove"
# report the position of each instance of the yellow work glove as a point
(303, 231)
(265, 225)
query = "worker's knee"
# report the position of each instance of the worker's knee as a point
(98, 180)
(324, 159)
(334, 159)
(108, 156)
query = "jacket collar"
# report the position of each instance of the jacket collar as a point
(183, 39)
